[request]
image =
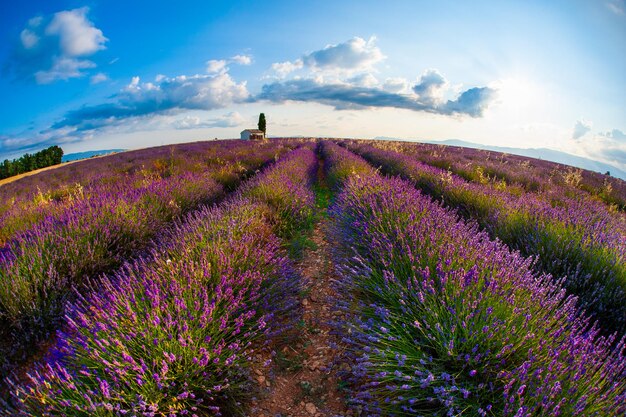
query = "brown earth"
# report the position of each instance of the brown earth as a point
(302, 381)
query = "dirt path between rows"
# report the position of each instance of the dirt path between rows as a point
(302, 381)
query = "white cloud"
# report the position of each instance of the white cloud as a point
(346, 95)
(581, 128)
(187, 122)
(168, 96)
(431, 87)
(29, 39)
(341, 75)
(356, 54)
(98, 78)
(35, 21)
(610, 149)
(232, 119)
(133, 85)
(215, 65)
(283, 69)
(77, 35)
(397, 85)
(63, 69)
(142, 106)
(242, 59)
(615, 134)
(351, 57)
(54, 48)
(364, 80)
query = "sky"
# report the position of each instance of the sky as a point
(88, 75)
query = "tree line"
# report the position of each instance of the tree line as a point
(30, 162)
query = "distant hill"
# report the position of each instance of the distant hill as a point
(539, 153)
(88, 154)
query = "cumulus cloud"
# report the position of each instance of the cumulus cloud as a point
(431, 87)
(169, 95)
(29, 39)
(63, 69)
(215, 65)
(232, 119)
(472, 102)
(55, 47)
(141, 106)
(98, 78)
(396, 85)
(352, 56)
(341, 96)
(242, 59)
(344, 96)
(609, 147)
(77, 35)
(220, 65)
(615, 134)
(581, 128)
(342, 75)
(282, 69)
(187, 122)
(364, 80)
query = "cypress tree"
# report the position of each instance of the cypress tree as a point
(262, 123)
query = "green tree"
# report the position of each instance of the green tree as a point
(262, 123)
(30, 162)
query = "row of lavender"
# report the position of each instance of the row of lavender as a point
(173, 334)
(445, 321)
(112, 221)
(554, 184)
(518, 172)
(30, 200)
(578, 241)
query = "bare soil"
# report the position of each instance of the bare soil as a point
(302, 381)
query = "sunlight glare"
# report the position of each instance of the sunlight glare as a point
(518, 97)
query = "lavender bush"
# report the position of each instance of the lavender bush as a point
(445, 321)
(341, 165)
(30, 200)
(576, 240)
(97, 233)
(172, 334)
(513, 171)
(287, 191)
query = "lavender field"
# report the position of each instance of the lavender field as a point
(177, 281)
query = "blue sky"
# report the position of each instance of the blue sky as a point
(111, 74)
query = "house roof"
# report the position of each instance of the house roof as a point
(253, 130)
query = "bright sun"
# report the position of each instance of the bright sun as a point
(518, 97)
